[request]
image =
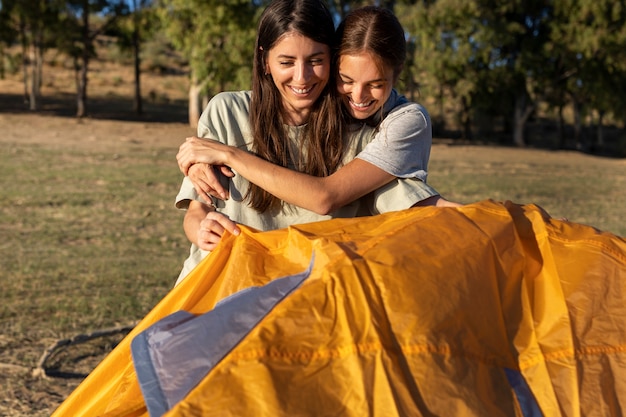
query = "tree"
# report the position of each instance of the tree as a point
(217, 39)
(131, 33)
(589, 37)
(468, 45)
(8, 30)
(33, 22)
(517, 34)
(443, 48)
(79, 41)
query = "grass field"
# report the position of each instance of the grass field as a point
(582, 188)
(91, 239)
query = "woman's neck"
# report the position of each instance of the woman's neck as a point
(292, 117)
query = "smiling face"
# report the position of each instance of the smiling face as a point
(300, 68)
(362, 86)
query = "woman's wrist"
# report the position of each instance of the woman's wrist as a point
(232, 157)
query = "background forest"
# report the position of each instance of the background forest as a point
(530, 73)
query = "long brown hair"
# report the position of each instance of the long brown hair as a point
(322, 137)
(377, 31)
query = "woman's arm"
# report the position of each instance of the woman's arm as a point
(318, 194)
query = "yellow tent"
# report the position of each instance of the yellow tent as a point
(485, 310)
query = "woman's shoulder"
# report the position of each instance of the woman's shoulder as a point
(407, 114)
(226, 112)
(231, 100)
(398, 106)
(227, 108)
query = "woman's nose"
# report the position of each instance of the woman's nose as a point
(302, 73)
(357, 93)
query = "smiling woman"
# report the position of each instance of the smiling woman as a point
(372, 53)
(362, 86)
(300, 70)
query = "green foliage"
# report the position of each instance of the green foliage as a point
(589, 38)
(503, 59)
(216, 37)
(445, 51)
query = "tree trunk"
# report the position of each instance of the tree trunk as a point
(600, 132)
(577, 126)
(194, 103)
(521, 115)
(442, 109)
(136, 50)
(36, 65)
(81, 94)
(25, 64)
(466, 119)
(2, 69)
(561, 144)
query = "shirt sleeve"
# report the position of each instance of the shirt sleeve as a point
(402, 143)
(186, 193)
(399, 194)
(221, 120)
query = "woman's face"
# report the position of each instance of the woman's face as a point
(300, 68)
(361, 85)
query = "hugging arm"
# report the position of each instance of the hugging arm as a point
(321, 195)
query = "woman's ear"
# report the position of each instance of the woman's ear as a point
(266, 70)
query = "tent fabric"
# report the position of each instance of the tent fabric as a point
(174, 354)
(488, 309)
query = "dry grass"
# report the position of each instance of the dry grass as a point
(91, 239)
(582, 188)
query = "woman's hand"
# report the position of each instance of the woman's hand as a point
(201, 150)
(212, 228)
(437, 201)
(206, 182)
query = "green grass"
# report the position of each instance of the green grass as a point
(582, 188)
(91, 239)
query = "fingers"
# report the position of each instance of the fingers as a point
(203, 191)
(226, 171)
(212, 230)
(207, 240)
(198, 176)
(225, 222)
(206, 182)
(183, 161)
